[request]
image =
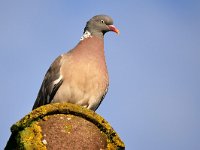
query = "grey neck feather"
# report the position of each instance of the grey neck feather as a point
(88, 34)
(93, 32)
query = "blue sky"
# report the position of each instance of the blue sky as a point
(154, 65)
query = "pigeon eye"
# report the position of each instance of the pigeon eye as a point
(102, 21)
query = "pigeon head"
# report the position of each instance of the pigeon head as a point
(99, 25)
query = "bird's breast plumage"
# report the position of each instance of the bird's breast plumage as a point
(85, 75)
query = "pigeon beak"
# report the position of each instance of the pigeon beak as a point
(113, 28)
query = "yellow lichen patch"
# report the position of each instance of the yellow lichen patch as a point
(45, 118)
(31, 138)
(110, 146)
(118, 141)
(68, 128)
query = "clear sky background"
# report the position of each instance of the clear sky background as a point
(154, 65)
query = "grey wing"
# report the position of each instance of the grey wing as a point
(51, 83)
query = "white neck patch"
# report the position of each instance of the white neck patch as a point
(86, 34)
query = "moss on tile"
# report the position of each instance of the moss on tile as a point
(30, 122)
(31, 138)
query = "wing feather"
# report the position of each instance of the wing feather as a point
(50, 85)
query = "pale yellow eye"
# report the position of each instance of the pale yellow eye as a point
(102, 21)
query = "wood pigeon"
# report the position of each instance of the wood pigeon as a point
(80, 75)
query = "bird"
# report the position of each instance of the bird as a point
(80, 76)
